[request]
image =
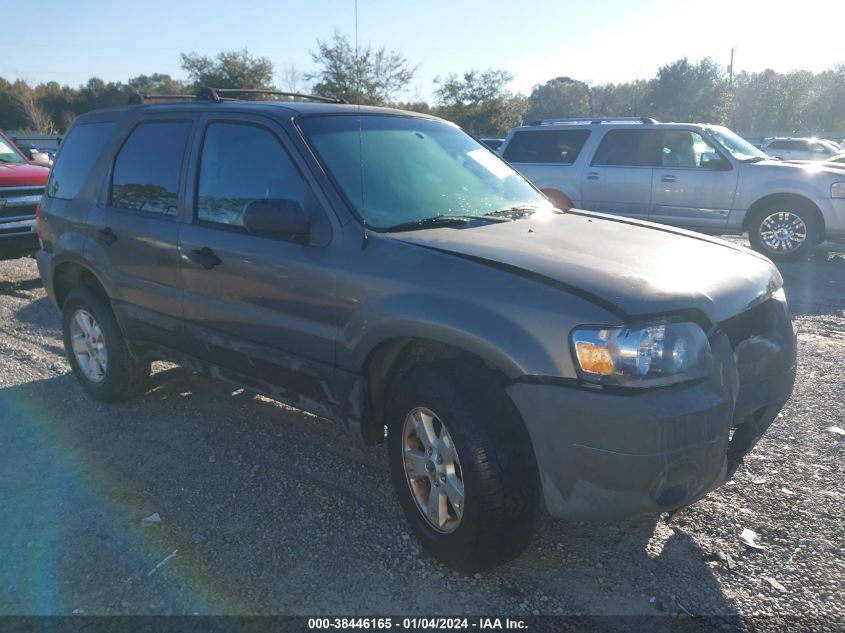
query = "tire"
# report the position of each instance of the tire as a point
(122, 376)
(785, 222)
(497, 466)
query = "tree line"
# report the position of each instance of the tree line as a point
(478, 100)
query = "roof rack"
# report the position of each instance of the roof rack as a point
(594, 120)
(218, 95)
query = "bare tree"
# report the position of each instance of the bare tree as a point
(292, 79)
(36, 117)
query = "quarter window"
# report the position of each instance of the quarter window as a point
(241, 163)
(79, 152)
(630, 148)
(148, 167)
(546, 146)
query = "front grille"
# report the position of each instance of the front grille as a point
(17, 212)
(17, 202)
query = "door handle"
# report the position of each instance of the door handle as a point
(668, 178)
(106, 236)
(205, 257)
(592, 176)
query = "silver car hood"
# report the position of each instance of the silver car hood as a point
(808, 167)
(633, 269)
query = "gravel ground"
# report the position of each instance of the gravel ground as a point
(269, 510)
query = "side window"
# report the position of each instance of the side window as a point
(818, 148)
(547, 146)
(632, 148)
(683, 148)
(148, 166)
(780, 145)
(80, 150)
(241, 163)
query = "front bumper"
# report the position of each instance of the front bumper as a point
(606, 456)
(17, 238)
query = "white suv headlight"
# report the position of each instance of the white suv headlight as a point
(645, 355)
(837, 190)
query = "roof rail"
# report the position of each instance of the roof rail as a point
(595, 120)
(218, 95)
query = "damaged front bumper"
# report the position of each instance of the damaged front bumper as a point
(606, 456)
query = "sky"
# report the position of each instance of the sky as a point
(596, 41)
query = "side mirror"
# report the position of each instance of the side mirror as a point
(277, 217)
(711, 160)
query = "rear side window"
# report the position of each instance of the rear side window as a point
(148, 167)
(241, 163)
(630, 148)
(79, 152)
(548, 146)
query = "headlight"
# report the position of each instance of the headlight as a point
(837, 190)
(646, 355)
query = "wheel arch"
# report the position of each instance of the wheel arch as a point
(394, 357)
(70, 274)
(761, 204)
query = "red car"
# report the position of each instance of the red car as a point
(21, 186)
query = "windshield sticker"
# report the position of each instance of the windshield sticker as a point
(492, 164)
(5, 149)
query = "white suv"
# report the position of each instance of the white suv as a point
(701, 177)
(800, 148)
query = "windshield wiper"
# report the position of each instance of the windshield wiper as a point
(428, 223)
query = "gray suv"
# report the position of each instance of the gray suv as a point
(383, 269)
(700, 177)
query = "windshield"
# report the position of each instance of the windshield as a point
(396, 170)
(738, 147)
(8, 154)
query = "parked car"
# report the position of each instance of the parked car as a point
(21, 186)
(383, 269)
(700, 177)
(799, 148)
(492, 143)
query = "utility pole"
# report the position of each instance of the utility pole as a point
(731, 67)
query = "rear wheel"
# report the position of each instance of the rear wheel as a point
(785, 231)
(462, 465)
(96, 349)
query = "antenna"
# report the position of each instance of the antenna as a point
(360, 128)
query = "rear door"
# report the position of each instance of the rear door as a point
(618, 178)
(135, 226)
(694, 185)
(261, 306)
(544, 155)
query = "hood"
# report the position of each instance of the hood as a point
(632, 269)
(809, 167)
(23, 175)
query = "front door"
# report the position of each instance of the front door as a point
(695, 185)
(618, 178)
(261, 306)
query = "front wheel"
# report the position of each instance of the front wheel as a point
(462, 465)
(784, 231)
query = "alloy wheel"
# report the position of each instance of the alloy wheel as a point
(433, 470)
(782, 232)
(89, 345)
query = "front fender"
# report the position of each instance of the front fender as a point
(487, 333)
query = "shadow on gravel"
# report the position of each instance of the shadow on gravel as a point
(19, 287)
(270, 511)
(815, 286)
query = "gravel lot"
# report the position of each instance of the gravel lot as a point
(273, 511)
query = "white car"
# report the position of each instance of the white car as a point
(788, 148)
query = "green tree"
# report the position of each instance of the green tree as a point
(232, 69)
(367, 76)
(480, 102)
(157, 84)
(683, 91)
(559, 97)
